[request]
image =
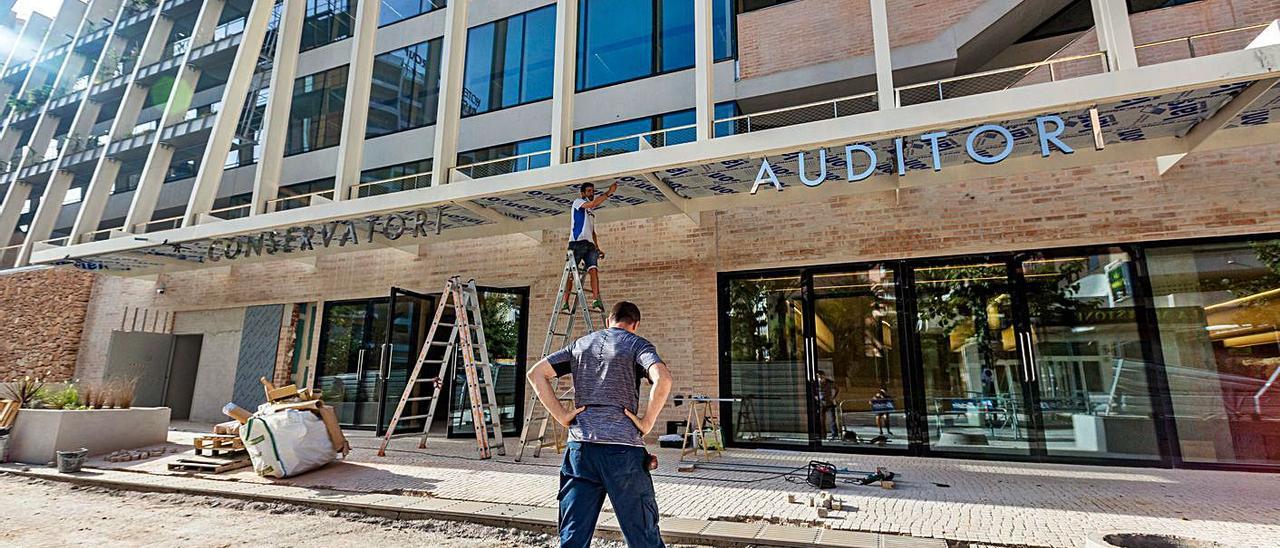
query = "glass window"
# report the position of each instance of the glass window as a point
(315, 115)
(399, 10)
(767, 370)
(600, 140)
(502, 311)
(616, 41)
(622, 40)
(327, 21)
(406, 88)
(509, 62)
(1218, 308)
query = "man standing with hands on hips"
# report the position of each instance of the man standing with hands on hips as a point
(606, 453)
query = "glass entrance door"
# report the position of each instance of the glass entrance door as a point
(858, 387)
(973, 358)
(352, 334)
(406, 327)
(766, 355)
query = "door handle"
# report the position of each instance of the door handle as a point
(384, 370)
(360, 365)
(1030, 354)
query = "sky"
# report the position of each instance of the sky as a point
(47, 7)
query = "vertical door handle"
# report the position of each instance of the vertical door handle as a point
(1030, 354)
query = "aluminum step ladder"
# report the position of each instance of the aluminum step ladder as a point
(466, 341)
(537, 420)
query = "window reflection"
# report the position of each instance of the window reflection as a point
(405, 89)
(315, 115)
(767, 362)
(1218, 307)
(509, 62)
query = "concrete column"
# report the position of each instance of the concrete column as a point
(107, 168)
(234, 95)
(704, 50)
(356, 117)
(161, 154)
(884, 64)
(449, 112)
(284, 70)
(1115, 37)
(55, 191)
(14, 198)
(565, 78)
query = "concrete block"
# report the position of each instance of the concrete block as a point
(39, 434)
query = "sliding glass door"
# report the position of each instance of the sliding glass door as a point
(351, 351)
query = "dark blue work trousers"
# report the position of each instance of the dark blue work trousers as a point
(592, 470)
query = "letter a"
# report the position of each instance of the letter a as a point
(766, 169)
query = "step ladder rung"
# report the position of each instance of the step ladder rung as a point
(414, 417)
(423, 398)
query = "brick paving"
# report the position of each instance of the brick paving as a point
(960, 500)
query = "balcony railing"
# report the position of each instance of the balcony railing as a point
(99, 235)
(60, 241)
(1197, 45)
(1049, 70)
(632, 143)
(388, 186)
(301, 200)
(167, 223)
(232, 212)
(502, 166)
(789, 116)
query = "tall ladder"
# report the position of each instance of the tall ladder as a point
(467, 341)
(537, 417)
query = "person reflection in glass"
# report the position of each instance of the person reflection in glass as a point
(826, 396)
(882, 405)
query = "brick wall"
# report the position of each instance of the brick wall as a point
(42, 315)
(668, 265)
(812, 32)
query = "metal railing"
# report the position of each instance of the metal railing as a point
(232, 212)
(60, 241)
(1049, 70)
(799, 114)
(98, 235)
(158, 224)
(294, 202)
(502, 166)
(1196, 45)
(388, 186)
(632, 143)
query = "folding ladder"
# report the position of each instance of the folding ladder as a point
(537, 417)
(467, 340)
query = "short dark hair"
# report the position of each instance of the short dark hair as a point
(625, 312)
(584, 186)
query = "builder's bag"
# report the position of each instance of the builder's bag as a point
(286, 443)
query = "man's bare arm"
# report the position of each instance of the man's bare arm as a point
(661, 378)
(601, 198)
(540, 377)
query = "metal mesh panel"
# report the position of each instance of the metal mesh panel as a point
(813, 112)
(389, 186)
(504, 166)
(986, 82)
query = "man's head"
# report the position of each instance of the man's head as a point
(625, 315)
(587, 190)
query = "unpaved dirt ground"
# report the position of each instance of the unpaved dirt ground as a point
(38, 513)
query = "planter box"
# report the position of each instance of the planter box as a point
(39, 434)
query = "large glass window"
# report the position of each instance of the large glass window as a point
(620, 40)
(315, 115)
(767, 360)
(1218, 307)
(327, 21)
(399, 10)
(509, 62)
(406, 89)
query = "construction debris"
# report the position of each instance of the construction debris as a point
(130, 456)
(216, 445)
(292, 433)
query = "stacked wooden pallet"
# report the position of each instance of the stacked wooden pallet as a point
(215, 454)
(8, 412)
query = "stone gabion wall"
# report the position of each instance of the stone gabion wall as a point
(42, 315)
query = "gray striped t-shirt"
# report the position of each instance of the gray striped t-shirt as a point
(607, 366)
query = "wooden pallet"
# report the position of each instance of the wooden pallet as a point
(218, 445)
(209, 466)
(8, 412)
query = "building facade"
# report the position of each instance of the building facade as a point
(1041, 230)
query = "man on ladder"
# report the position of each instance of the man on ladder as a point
(582, 237)
(606, 453)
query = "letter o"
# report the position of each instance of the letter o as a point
(988, 128)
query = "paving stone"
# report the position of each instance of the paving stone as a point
(609, 522)
(897, 541)
(788, 535)
(466, 507)
(682, 526)
(541, 515)
(732, 530)
(503, 510)
(848, 539)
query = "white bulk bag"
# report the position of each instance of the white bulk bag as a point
(286, 443)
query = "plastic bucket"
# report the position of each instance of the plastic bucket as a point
(69, 462)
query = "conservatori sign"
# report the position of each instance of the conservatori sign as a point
(350, 232)
(860, 160)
